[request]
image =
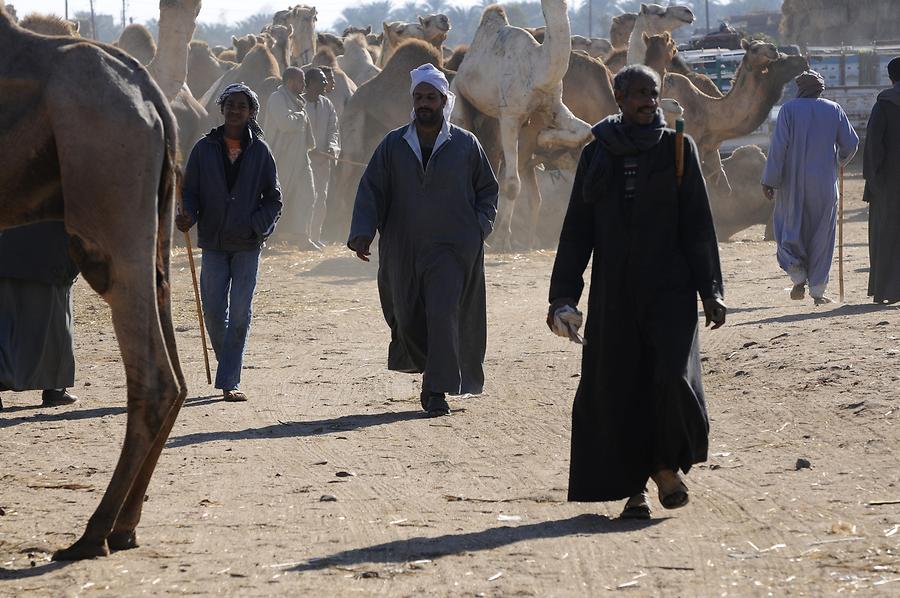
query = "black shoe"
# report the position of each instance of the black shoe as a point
(434, 403)
(57, 397)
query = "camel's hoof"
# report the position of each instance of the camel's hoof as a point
(122, 540)
(80, 550)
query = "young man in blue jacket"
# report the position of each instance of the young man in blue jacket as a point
(231, 191)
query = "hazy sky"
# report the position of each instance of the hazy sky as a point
(213, 10)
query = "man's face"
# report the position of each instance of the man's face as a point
(640, 101)
(295, 85)
(428, 104)
(316, 85)
(236, 109)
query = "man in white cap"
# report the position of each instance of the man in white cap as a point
(430, 193)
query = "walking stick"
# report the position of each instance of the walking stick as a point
(841, 237)
(679, 150)
(187, 243)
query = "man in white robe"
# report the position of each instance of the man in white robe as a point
(813, 139)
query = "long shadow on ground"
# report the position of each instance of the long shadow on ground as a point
(35, 571)
(299, 429)
(815, 314)
(412, 549)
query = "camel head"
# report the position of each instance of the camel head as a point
(658, 18)
(303, 20)
(660, 47)
(281, 34)
(435, 26)
(243, 45)
(759, 54)
(784, 69)
(348, 31)
(330, 40)
(620, 29)
(50, 25)
(184, 10)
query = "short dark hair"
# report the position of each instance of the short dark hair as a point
(622, 80)
(894, 70)
(292, 73)
(310, 73)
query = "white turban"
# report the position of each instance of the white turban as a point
(427, 73)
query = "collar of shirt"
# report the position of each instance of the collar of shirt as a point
(412, 138)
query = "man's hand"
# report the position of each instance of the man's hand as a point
(557, 303)
(715, 310)
(768, 192)
(361, 246)
(184, 222)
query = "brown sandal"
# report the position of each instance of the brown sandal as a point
(234, 396)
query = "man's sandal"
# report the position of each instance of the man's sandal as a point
(637, 507)
(234, 396)
(673, 492)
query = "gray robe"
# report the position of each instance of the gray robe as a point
(432, 223)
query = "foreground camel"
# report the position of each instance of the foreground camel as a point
(357, 61)
(137, 41)
(652, 20)
(507, 75)
(119, 217)
(302, 20)
(758, 85)
(432, 29)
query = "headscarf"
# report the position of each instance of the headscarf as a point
(254, 104)
(427, 73)
(810, 84)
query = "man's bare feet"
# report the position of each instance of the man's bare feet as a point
(673, 492)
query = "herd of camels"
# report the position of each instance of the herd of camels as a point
(526, 93)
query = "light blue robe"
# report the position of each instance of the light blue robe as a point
(812, 139)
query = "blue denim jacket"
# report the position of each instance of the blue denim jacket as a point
(243, 217)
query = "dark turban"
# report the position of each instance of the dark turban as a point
(810, 84)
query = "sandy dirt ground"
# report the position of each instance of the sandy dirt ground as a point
(329, 482)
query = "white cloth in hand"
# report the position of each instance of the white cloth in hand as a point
(566, 322)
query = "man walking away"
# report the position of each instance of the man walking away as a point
(813, 139)
(881, 167)
(323, 118)
(430, 193)
(231, 191)
(291, 139)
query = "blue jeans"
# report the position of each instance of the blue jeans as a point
(227, 282)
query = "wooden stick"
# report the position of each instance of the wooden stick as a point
(679, 150)
(190, 252)
(841, 238)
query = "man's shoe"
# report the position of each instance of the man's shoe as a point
(798, 292)
(234, 396)
(823, 300)
(56, 397)
(434, 403)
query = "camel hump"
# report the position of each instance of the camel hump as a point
(494, 16)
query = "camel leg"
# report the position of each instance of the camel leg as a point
(530, 190)
(510, 183)
(123, 535)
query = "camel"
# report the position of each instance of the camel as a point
(660, 49)
(653, 19)
(374, 41)
(432, 28)
(758, 85)
(118, 208)
(595, 47)
(281, 44)
(137, 41)
(303, 20)
(742, 205)
(379, 105)
(356, 60)
(204, 68)
(242, 45)
(331, 41)
(507, 75)
(49, 25)
(344, 87)
(620, 29)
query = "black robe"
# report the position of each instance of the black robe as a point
(640, 400)
(881, 158)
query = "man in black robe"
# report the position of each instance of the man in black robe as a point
(639, 411)
(430, 193)
(881, 158)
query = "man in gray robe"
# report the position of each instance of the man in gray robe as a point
(290, 138)
(324, 120)
(36, 327)
(880, 167)
(430, 193)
